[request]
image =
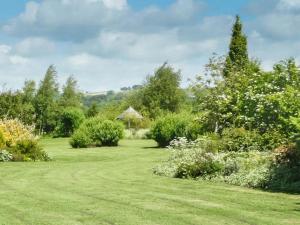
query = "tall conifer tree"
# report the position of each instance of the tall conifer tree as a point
(237, 58)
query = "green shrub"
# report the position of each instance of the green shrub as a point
(97, 132)
(172, 126)
(81, 138)
(69, 120)
(239, 139)
(167, 128)
(193, 130)
(285, 169)
(5, 156)
(108, 133)
(28, 150)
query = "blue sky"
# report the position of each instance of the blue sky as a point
(108, 44)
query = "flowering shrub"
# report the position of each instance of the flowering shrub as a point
(19, 142)
(268, 170)
(191, 159)
(14, 130)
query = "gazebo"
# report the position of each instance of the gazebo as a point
(129, 115)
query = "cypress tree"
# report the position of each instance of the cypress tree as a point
(237, 58)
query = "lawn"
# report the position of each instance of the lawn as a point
(116, 186)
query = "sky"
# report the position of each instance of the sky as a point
(109, 44)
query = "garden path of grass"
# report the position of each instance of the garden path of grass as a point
(116, 186)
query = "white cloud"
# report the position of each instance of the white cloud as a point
(35, 46)
(106, 44)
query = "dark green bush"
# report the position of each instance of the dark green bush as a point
(172, 126)
(167, 128)
(239, 139)
(97, 132)
(69, 120)
(285, 170)
(28, 150)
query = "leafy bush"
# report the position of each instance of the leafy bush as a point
(285, 169)
(14, 130)
(97, 132)
(191, 160)
(5, 156)
(20, 142)
(240, 139)
(81, 138)
(193, 130)
(168, 128)
(2, 140)
(69, 120)
(108, 133)
(249, 169)
(28, 150)
(172, 126)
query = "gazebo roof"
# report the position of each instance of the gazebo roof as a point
(130, 112)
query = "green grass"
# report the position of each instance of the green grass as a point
(116, 186)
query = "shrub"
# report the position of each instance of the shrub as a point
(20, 141)
(5, 156)
(239, 139)
(69, 120)
(189, 160)
(97, 132)
(168, 128)
(81, 138)
(14, 130)
(28, 150)
(108, 133)
(285, 169)
(193, 130)
(172, 126)
(2, 140)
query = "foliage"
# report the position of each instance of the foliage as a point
(285, 170)
(5, 156)
(14, 131)
(97, 132)
(46, 105)
(81, 138)
(2, 140)
(167, 128)
(69, 120)
(71, 96)
(237, 58)
(28, 150)
(162, 93)
(92, 110)
(20, 141)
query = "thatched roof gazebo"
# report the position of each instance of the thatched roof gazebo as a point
(129, 115)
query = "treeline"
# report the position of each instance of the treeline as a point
(41, 105)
